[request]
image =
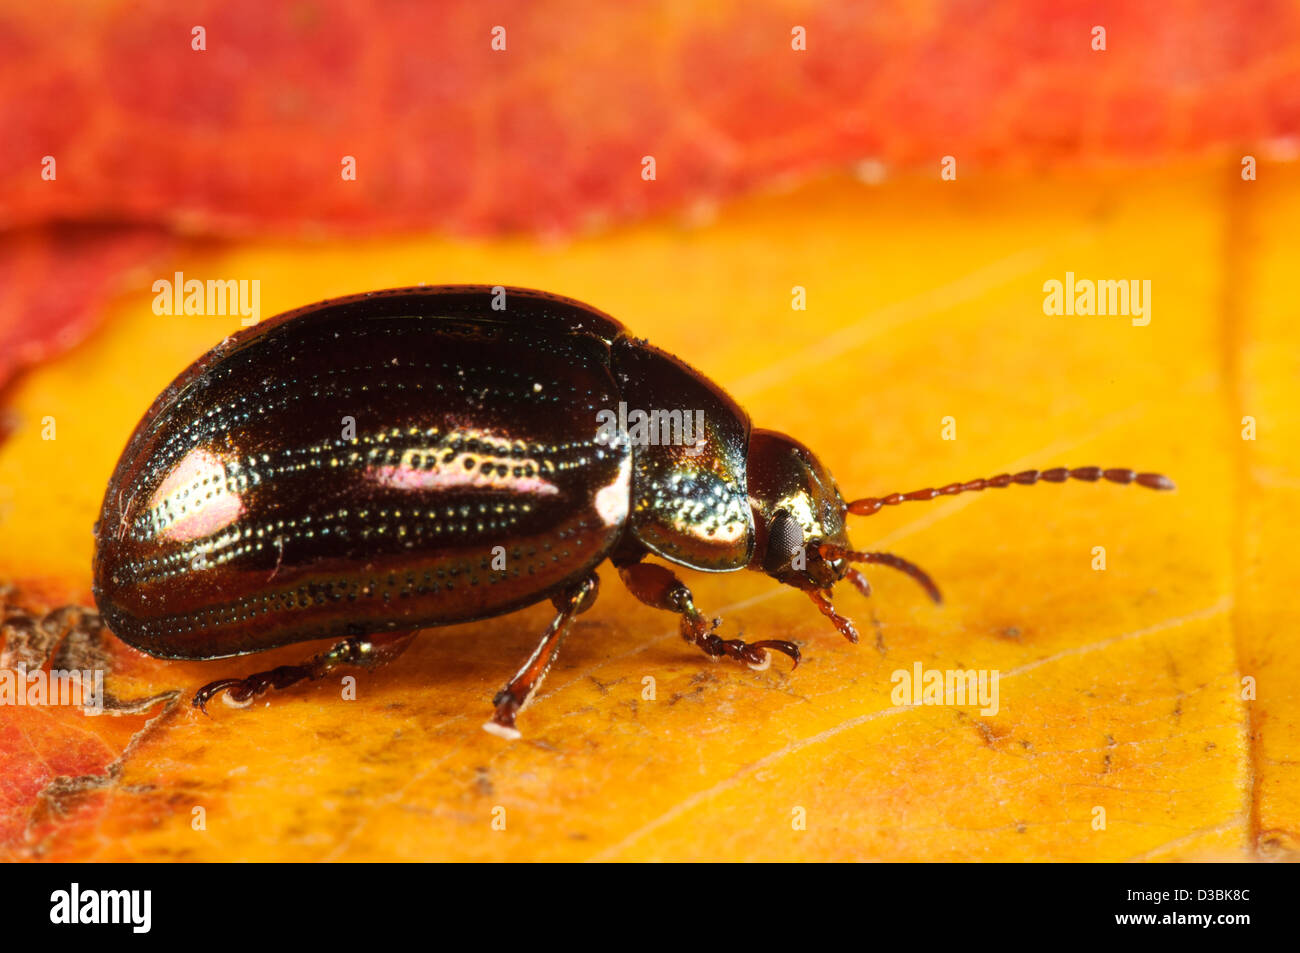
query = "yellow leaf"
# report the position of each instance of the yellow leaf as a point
(1120, 690)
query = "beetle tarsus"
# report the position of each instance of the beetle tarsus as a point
(658, 588)
(366, 651)
(753, 654)
(211, 690)
(845, 625)
(240, 692)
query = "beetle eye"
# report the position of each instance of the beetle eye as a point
(784, 539)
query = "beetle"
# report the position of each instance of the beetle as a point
(370, 466)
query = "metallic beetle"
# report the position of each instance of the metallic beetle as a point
(366, 467)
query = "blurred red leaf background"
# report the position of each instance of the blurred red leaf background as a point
(547, 136)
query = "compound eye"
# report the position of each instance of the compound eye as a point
(784, 539)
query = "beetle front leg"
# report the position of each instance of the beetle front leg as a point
(368, 651)
(658, 588)
(519, 691)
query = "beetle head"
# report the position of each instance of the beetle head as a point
(797, 507)
(799, 535)
(799, 532)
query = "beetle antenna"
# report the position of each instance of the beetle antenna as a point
(1155, 481)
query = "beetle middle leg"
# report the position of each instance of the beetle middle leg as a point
(367, 651)
(659, 588)
(519, 691)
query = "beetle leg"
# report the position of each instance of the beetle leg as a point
(822, 601)
(658, 588)
(368, 651)
(519, 691)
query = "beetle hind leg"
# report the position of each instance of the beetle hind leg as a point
(367, 651)
(519, 691)
(658, 588)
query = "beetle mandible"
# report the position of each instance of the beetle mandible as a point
(478, 479)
